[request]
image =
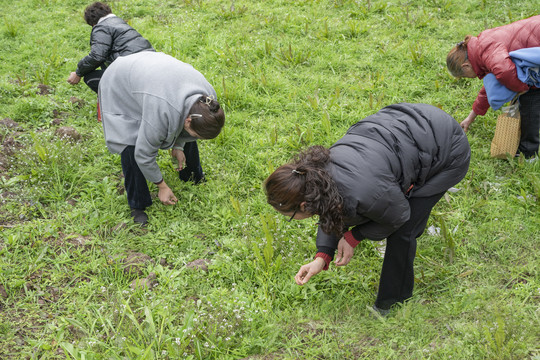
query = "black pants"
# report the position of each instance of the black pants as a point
(529, 108)
(193, 170)
(397, 275)
(92, 79)
(137, 191)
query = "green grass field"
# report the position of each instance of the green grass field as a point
(220, 264)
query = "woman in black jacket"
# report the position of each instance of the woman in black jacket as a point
(111, 37)
(380, 180)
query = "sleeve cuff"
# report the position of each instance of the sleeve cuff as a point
(350, 239)
(327, 258)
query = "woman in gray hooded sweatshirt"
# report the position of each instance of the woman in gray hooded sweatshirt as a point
(380, 180)
(150, 101)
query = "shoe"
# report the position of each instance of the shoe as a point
(139, 216)
(382, 312)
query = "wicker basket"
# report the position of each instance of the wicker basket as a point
(507, 134)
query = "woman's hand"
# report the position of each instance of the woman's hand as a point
(166, 195)
(468, 121)
(73, 78)
(308, 270)
(180, 156)
(344, 252)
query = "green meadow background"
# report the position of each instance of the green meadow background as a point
(212, 277)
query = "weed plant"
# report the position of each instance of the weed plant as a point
(290, 74)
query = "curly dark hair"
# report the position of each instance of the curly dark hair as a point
(209, 125)
(96, 11)
(305, 179)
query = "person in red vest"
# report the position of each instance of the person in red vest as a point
(477, 56)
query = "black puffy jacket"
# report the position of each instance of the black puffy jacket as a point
(380, 157)
(109, 39)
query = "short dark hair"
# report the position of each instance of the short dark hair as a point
(96, 11)
(213, 117)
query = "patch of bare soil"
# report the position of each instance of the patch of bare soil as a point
(69, 240)
(44, 89)
(77, 102)
(68, 133)
(8, 145)
(199, 264)
(10, 124)
(135, 263)
(58, 117)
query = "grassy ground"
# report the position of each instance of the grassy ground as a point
(220, 264)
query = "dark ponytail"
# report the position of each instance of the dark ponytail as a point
(212, 118)
(305, 179)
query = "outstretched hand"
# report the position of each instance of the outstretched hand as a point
(308, 270)
(344, 252)
(180, 156)
(465, 124)
(73, 78)
(165, 194)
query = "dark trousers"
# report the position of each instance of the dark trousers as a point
(193, 170)
(529, 109)
(397, 275)
(92, 79)
(137, 191)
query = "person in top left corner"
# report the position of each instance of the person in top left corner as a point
(110, 38)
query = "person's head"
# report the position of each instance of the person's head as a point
(457, 60)
(96, 11)
(206, 118)
(304, 188)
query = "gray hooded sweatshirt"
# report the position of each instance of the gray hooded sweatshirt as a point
(144, 99)
(380, 157)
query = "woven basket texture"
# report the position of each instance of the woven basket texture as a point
(506, 138)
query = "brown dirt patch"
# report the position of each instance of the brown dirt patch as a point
(199, 264)
(44, 89)
(135, 263)
(68, 133)
(10, 124)
(77, 102)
